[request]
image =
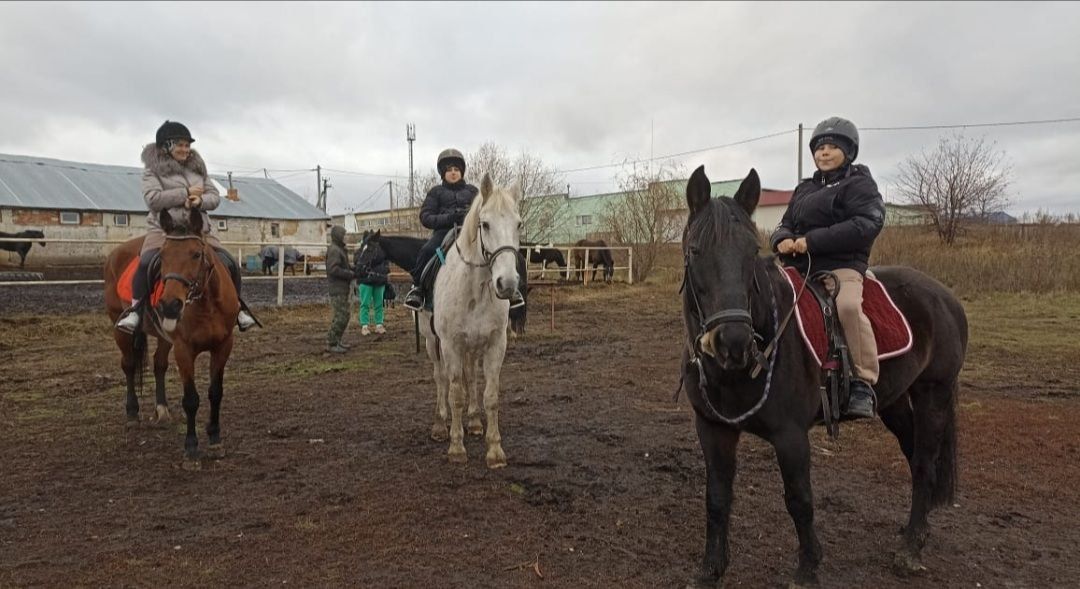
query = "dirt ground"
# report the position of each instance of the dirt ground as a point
(331, 478)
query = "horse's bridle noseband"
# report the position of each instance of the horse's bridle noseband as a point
(489, 257)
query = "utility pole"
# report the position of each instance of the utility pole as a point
(799, 149)
(326, 185)
(319, 204)
(410, 136)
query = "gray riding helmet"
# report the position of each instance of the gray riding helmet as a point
(837, 127)
(447, 157)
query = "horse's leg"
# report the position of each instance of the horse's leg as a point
(932, 466)
(161, 367)
(453, 364)
(129, 362)
(719, 444)
(472, 368)
(185, 364)
(793, 455)
(493, 360)
(900, 421)
(218, 358)
(442, 386)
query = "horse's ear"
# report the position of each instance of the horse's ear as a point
(486, 186)
(195, 221)
(698, 191)
(749, 192)
(378, 233)
(515, 189)
(165, 220)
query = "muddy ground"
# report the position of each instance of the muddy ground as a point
(331, 478)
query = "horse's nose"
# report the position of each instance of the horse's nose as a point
(731, 345)
(171, 309)
(505, 287)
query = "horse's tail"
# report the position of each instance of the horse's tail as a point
(946, 470)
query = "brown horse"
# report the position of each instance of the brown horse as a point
(597, 257)
(195, 314)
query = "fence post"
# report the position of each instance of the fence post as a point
(630, 265)
(281, 274)
(569, 260)
(585, 270)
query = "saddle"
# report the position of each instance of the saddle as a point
(153, 278)
(823, 335)
(431, 269)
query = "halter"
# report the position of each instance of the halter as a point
(195, 288)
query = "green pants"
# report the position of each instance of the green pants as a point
(340, 304)
(371, 296)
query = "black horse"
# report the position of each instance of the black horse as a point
(544, 255)
(733, 298)
(21, 247)
(402, 252)
(597, 257)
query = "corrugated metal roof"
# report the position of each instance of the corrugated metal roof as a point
(43, 183)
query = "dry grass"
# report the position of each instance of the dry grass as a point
(1041, 258)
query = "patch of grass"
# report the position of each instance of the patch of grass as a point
(311, 367)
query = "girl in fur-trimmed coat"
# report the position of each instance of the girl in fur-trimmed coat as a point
(175, 180)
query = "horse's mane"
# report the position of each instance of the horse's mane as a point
(500, 199)
(707, 228)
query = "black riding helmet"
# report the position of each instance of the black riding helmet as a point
(170, 131)
(450, 157)
(840, 132)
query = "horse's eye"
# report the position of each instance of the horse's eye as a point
(197, 255)
(520, 225)
(485, 226)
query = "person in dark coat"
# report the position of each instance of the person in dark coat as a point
(340, 276)
(372, 276)
(831, 224)
(444, 207)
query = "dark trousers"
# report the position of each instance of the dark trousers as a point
(426, 252)
(140, 288)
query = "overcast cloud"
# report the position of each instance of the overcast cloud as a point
(288, 86)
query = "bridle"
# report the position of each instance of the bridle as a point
(195, 288)
(489, 256)
(763, 360)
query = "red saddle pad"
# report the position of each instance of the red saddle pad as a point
(891, 329)
(123, 288)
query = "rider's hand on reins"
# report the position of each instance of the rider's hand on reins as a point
(800, 245)
(786, 247)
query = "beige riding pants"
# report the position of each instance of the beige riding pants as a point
(857, 329)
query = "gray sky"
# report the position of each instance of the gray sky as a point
(288, 86)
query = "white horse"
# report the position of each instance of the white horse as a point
(471, 303)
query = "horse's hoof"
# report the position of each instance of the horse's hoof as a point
(496, 459)
(191, 464)
(161, 414)
(457, 456)
(906, 564)
(132, 422)
(439, 433)
(215, 451)
(476, 428)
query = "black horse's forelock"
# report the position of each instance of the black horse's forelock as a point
(724, 219)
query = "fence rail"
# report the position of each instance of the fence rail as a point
(567, 271)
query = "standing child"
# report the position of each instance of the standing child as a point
(340, 277)
(372, 278)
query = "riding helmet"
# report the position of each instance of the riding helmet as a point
(171, 130)
(840, 132)
(449, 157)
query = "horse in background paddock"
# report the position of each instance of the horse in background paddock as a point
(21, 247)
(597, 257)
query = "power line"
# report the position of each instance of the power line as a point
(972, 125)
(370, 174)
(682, 153)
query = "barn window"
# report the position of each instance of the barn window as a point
(69, 217)
(120, 220)
(585, 220)
(275, 230)
(222, 225)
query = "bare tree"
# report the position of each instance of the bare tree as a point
(650, 214)
(961, 179)
(543, 206)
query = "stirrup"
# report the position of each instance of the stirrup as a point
(129, 323)
(414, 301)
(248, 323)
